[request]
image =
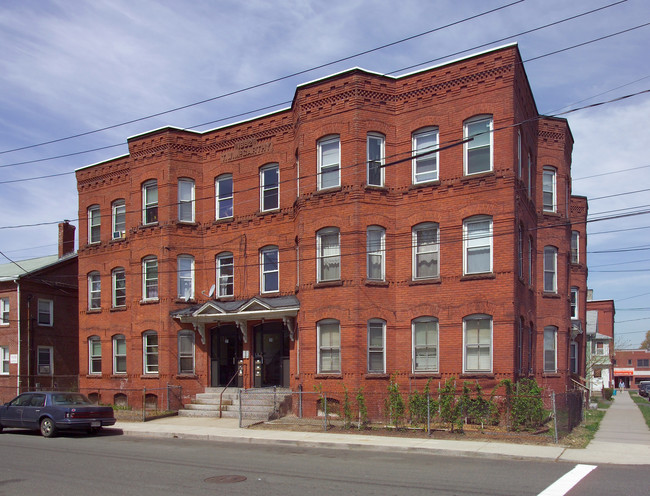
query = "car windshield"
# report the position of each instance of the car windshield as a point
(70, 399)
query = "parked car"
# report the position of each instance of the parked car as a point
(644, 388)
(51, 411)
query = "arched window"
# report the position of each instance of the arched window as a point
(119, 354)
(329, 346)
(478, 151)
(186, 352)
(150, 278)
(376, 253)
(94, 291)
(225, 275)
(328, 254)
(425, 344)
(426, 248)
(376, 346)
(425, 160)
(477, 240)
(477, 336)
(186, 200)
(329, 162)
(94, 355)
(150, 352)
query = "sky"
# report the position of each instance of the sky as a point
(73, 72)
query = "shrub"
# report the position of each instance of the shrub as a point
(418, 405)
(608, 393)
(394, 404)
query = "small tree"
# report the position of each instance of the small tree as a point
(394, 404)
(449, 411)
(418, 404)
(363, 409)
(347, 409)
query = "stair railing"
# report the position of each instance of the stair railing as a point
(227, 386)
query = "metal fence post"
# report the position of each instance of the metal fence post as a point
(299, 400)
(554, 415)
(428, 415)
(240, 408)
(325, 410)
(144, 404)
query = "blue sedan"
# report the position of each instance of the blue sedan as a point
(50, 412)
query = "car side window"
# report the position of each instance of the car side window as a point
(22, 400)
(38, 400)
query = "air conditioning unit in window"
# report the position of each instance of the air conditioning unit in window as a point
(118, 234)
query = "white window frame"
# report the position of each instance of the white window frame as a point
(426, 349)
(225, 275)
(375, 164)
(118, 219)
(549, 189)
(423, 141)
(376, 329)
(327, 166)
(333, 255)
(94, 225)
(94, 356)
(574, 357)
(550, 269)
(40, 366)
(269, 268)
(575, 247)
(423, 249)
(4, 360)
(476, 144)
(481, 347)
(474, 242)
(332, 349)
(574, 305)
(94, 290)
(269, 190)
(186, 197)
(119, 340)
(149, 203)
(185, 277)
(186, 337)
(550, 348)
(150, 350)
(224, 200)
(4, 311)
(48, 313)
(118, 275)
(376, 251)
(150, 283)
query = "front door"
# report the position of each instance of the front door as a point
(272, 349)
(225, 352)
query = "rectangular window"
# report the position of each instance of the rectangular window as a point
(425, 251)
(478, 245)
(478, 151)
(519, 172)
(185, 273)
(550, 340)
(186, 353)
(119, 354)
(94, 356)
(425, 345)
(329, 255)
(119, 219)
(549, 189)
(94, 291)
(520, 252)
(375, 160)
(4, 311)
(425, 158)
(45, 312)
(224, 196)
(225, 275)
(376, 336)
(44, 364)
(375, 249)
(478, 344)
(531, 174)
(573, 360)
(550, 269)
(150, 350)
(642, 362)
(4, 360)
(270, 269)
(270, 187)
(329, 347)
(575, 247)
(574, 303)
(530, 261)
(94, 224)
(150, 202)
(186, 200)
(119, 287)
(329, 160)
(150, 278)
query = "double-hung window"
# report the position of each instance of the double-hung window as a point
(44, 360)
(94, 355)
(530, 260)
(4, 360)
(477, 238)
(575, 247)
(269, 269)
(328, 254)
(94, 291)
(45, 312)
(478, 343)
(574, 303)
(425, 344)
(375, 150)
(574, 359)
(550, 269)
(225, 275)
(185, 273)
(520, 251)
(119, 354)
(375, 253)
(223, 187)
(150, 278)
(185, 352)
(425, 156)
(150, 202)
(329, 346)
(118, 219)
(376, 340)
(186, 200)
(329, 162)
(94, 224)
(478, 151)
(270, 187)
(150, 352)
(118, 277)
(425, 251)
(550, 346)
(4, 311)
(549, 189)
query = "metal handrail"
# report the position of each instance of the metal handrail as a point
(224, 389)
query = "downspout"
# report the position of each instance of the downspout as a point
(18, 334)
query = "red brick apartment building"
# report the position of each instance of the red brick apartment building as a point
(420, 225)
(631, 367)
(39, 329)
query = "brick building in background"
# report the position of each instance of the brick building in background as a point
(418, 225)
(599, 369)
(39, 330)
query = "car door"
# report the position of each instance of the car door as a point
(13, 411)
(32, 411)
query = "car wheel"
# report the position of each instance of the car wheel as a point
(0, 427)
(48, 429)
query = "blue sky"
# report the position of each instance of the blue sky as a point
(71, 66)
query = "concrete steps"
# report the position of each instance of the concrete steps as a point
(257, 404)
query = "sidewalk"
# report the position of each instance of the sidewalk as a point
(623, 438)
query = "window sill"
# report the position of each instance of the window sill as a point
(478, 175)
(118, 240)
(376, 375)
(121, 308)
(424, 184)
(476, 375)
(376, 187)
(429, 374)
(187, 223)
(377, 284)
(183, 300)
(424, 282)
(476, 277)
(325, 375)
(223, 220)
(328, 284)
(118, 376)
(324, 191)
(551, 213)
(149, 376)
(93, 376)
(150, 302)
(93, 310)
(547, 294)
(186, 376)
(262, 213)
(551, 374)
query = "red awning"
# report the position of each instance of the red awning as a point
(623, 372)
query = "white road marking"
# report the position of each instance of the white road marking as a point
(565, 483)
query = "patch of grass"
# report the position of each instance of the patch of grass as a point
(644, 406)
(584, 433)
